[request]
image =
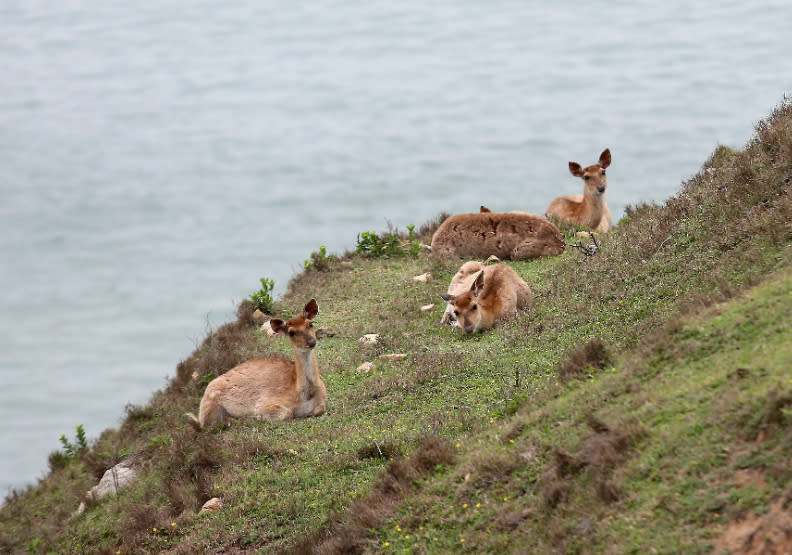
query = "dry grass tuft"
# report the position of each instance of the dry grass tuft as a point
(97, 460)
(350, 531)
(496, 468)
(600, 454)
(426, 231)
(593, 354)
(190, 463)
(384, 450)
(229, 345)
(757, 420)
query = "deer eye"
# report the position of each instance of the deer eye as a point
(291, 333)
(603, 172)
(310, 324)
(456, 313)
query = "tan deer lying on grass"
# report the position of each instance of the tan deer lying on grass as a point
(270, 387)
(590, 208)
(510, 235)
(479, 296)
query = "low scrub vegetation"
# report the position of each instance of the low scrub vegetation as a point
(643, 404)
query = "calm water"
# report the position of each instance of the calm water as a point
(157, 160)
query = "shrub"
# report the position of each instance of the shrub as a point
(262, 298)
(70, 451)
(319, 261)
(390, 243)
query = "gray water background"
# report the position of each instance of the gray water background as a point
(157, 159)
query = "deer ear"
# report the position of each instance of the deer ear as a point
(277, 325)
(478, 284)
(483, 209)
(605, 158)
(575, 169)
(447, 298)
(311, 310)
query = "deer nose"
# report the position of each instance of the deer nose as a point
(311, 342)
(601, 188)
(468, 328)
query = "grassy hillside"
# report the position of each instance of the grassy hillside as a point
(642, 405)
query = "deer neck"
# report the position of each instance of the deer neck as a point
(307, 372)
(593, 207)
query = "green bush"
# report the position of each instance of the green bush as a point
(262, 298)
(70, 451)
(390, 243)
(319, 261)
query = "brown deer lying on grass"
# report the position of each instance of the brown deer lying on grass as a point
(270, 387)
(461, 283)
(507, 235)
(479, 296)
(590, 208)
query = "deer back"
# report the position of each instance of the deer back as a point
(507, 235)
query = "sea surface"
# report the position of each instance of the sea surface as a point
(158, 158)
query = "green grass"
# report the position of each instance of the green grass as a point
(641, 404)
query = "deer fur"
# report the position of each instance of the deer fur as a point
(460, 284)
(507, 235)
(493, 293)
(268, 387)
(590, 208)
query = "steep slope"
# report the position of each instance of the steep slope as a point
(641, 404)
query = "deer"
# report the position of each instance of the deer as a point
(590, 208)
(270, 388)
(507, 235)
(480, 297)
(461, 283)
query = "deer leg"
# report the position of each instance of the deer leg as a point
(446, 319)
(526, 249)
(274, 412)
(211, 414)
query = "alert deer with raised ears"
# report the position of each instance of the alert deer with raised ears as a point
(268, 387)
(480, 296)
(590, 208)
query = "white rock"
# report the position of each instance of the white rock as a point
(366, 367)
(369, 339)
(213, 505)
(259, 317)
(427, 307)
(583, 234)
(492, 258)
(394, 357)
(113, 481)
(423, 277)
